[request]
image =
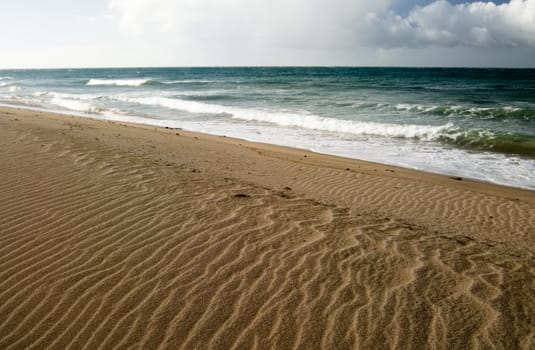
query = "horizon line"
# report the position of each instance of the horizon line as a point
(269, 66)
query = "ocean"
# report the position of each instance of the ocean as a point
(472, 123)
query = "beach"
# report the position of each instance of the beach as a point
(116, 235)
(472, 123)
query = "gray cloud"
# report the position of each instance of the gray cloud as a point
(475, 24)
(329, 24)
(324, 32)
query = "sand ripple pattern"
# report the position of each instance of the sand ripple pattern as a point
(117, 251)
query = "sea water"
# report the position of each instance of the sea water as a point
(473, 123)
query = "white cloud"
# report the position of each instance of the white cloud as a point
(477, 24)
(327, 24)
(274, 23)
(323, 32)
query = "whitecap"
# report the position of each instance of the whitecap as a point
(117, 82)
(301, 120)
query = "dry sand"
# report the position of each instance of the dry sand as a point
(131, 237)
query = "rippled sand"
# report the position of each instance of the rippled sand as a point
(114, 236)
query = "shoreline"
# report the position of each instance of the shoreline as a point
(74, 114)
(389, 175)
(123, 235)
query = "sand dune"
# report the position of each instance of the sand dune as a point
(121, 237)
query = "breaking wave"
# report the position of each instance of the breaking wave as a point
(78, 103)
(300, 120)
(118, 82)
(485, 140)
(506, 112)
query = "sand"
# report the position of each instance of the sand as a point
(115, 236)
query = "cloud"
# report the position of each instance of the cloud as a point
(329, 24)
(477, 24)
(274, 23)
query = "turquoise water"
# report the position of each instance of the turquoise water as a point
(476, 123)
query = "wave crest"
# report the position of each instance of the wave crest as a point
(188, 81)
(117, 82)
(506, 112)
(301, 120)
(78, 103)
(484, 140)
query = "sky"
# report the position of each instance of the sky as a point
(142, 33)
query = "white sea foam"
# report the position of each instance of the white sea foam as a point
(7, 78)
(188, 81)
(301, 120)
(454, 109)
(7, 83)
(118, 82)
(83, 97)
(75, 105)
(80, 103)
(183, 105)
(14, 88)
(408, 107)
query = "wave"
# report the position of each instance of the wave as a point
(76, 105)
(485, 140)
(500, 113)
(300, 120)
(447, 134)
(118, 82)
(140, 82)
(9, 84)
(7, 78)
(79, 103)
(188, 81)
(58, 102)
(493, 113)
